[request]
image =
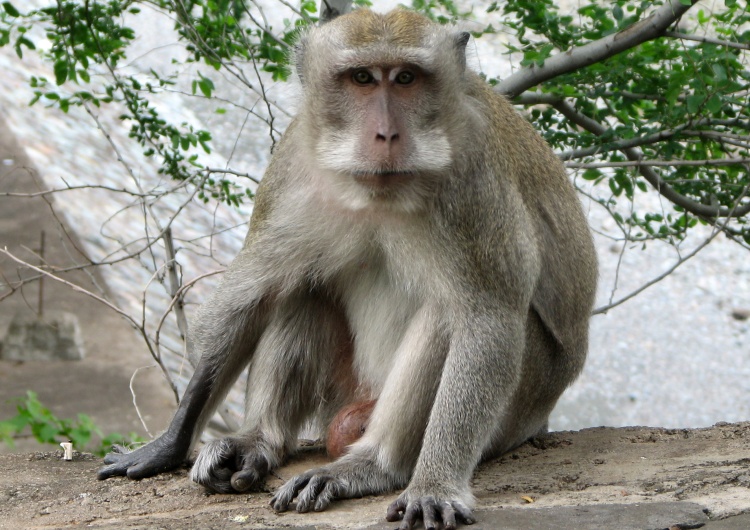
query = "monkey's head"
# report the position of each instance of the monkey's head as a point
(381, 93)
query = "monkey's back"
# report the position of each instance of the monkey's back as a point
(566, 281)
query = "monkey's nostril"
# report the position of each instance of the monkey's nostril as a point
(386, 138)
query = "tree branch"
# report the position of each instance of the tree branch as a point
(635, 155)
(642, 31)
(660, 163)
(707, 40)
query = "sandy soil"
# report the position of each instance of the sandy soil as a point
(603, 466)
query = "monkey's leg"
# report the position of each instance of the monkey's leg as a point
(225, 332)
(384, 457)
(298, 362)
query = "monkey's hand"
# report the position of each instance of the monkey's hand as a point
(234, 464)
(351, 476)
(314, 489)
(159, 456)
(433, 510)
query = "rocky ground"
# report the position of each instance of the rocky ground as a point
(628, 478)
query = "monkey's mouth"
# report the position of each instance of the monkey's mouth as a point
(378, 180)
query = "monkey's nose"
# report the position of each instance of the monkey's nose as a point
(388, 138)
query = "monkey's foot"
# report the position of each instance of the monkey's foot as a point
(156, 457)
(435, 512)
(234, 464)
(350, 476)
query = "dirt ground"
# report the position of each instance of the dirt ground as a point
(688, 478)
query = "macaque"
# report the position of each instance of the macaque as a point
(414, 244)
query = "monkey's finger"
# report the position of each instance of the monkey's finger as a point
(412, 514)
(117, 452)
(245, 479)
(141, 470)
(396, 510)
(306, 498)
(430, 513)
(463, 512)
(448, 515)
(286, 493)
(250, 473)
(330, 492)
(112, 470)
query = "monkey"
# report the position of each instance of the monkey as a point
(414, 244)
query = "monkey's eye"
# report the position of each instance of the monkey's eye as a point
(362, 77)
(405, 77)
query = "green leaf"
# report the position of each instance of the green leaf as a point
(206, 86)
(694, 102)
(720, 73)
(11, 10)
(714, 104)
(591, 174)
(61, 71)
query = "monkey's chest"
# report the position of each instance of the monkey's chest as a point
(378, 309)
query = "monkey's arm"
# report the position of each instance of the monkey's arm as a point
(170, 449)
(224, 334)
(481, 374)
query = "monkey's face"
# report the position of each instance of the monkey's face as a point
(379, 101)
(379, 130)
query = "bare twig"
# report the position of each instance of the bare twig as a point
(635, 292)
(707, 40)
(719, 227)
(73, 286)
(660, 163)
(135, 404)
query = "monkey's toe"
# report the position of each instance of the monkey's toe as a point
(435, 514)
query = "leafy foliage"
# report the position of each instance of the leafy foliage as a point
(675, 98)
(47, 428)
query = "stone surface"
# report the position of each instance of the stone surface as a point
(33, 338)
(738, 522)
(647, 516)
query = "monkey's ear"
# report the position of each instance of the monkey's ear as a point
(460, 41)
(298, 63)
(299, 57)
(330, 9)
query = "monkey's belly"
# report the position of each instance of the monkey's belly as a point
(348, 426)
